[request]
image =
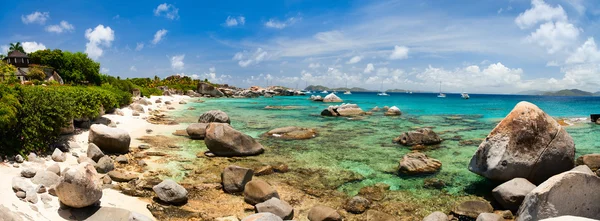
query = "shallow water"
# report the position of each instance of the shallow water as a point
(364, 145)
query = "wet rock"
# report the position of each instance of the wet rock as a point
(292, 133)
(45, 178)
(569, 193)
(277, 207)
(108, 139)
(216, 116)
(393, 111)
(222, 140)
(197, 131)
(421, 136)
(434, 183)
(590, 160)
(94, 152)
(436, 216)
(54, 168)
(122, 176)
(373, 215)
(257, 191)
(357, 205)
(418, 163)
(20, 184)
(171, 192)
(511, 193)
(58, 156)
(323, 213)
(105, 165)
(472, 209)
(28, 172)
(374, 193)
(527, 143)
(122, 159)
(332, 98)
(234, 178)
(262, 217)
(489, 217)
(79, 186)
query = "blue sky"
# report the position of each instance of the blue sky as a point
(493, 46)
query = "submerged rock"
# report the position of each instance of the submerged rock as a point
(109, 139)
(222, 140)
(258, 191)
(171, 192)
(344, 110)
(472, 209)
(418, 163)
(217, 116)
(235, 178)
(421, 136)
(79, 186)
(332, 98)
(197, 131)
(511, 193)
(292, 133)
(323, 213)
(527, 143)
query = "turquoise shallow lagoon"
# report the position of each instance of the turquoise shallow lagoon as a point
(364, 145)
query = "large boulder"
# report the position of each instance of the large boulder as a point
(590, 160)
(79, 186)
(222, 140)
(258, 191)
(421, 136)
(316, 98)
(58, 156)
(234, 178)
(171, 192)
(344, 110)
(393, 111)
(45, 178)
(527, 143)
(471, 209)
(197, 131)
(570, 193)
(332, 98)
(207, 89)
(292, 133)
(511, 193)
(276, 206)
(418, 163)
(109, 139)
(323, 213)
(217, 116)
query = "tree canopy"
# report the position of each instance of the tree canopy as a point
(16, 47)
(74, 68)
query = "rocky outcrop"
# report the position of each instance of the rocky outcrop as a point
(332, 98)
(108, 139)
(511, 193)
(527, 143)
(590, 160)
(393, 111)
(234, 178)
(292, 133)
(258, 191)
(323, 213)
(197, 131)
(277, 207)
(222, 140)
(421, 136)
(170, 192)
(570, 193)
(79, 186)
(216, 116)
(472, 209)
(344, 110)
(209, 90)
(418, 163)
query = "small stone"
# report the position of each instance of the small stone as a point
(264, 170)
(258, 191)
(58, 156)
(228, 218)
(149, 130)
(75, 154)
(277, 207)
(357, 205)
(28, 172)
(122, 159)
(436, 216)
(489, 217)
(41, 189)
(281, 168)
(506, 214)
(106, 179)
(15, 165)
(94, 152)
(144, 146)
(54, 168)
(46, 198)
(31, 196)
(139, 155)
(104, 165)
(323, 213)
(84, 159)
(21, 194)
(171, 192)
(472, 209)
(373, 215)
(122, 176)
(142, 163)
(262, 217)
(19, 159)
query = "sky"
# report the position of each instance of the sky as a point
(477, 46)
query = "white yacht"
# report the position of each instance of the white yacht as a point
(441, 95)
(347, 92)
(324, 92)
(382, 93)
(464, 95)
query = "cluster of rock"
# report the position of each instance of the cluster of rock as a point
(343, 110)
(331, 98)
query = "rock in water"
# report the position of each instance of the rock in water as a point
(234, 178)
(323, 213)
(109, 139)
(197, 131)
(472, 209)
(45, 178)
(258, 191)
(292, 133)
(527, 143)
(357, 205)
(262, 217)
(217, 116)
(277, 207)
(94, 152)
(79, 187)
(332, 98)
(436, 216)
(171, 192)
(222, 140)
(424, 136)
(418, 163)
(344, 110)
(511, 194)
(393, 111)
(590, 160)
(569, 193)
(58, 156)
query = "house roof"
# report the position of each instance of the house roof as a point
(16, 54)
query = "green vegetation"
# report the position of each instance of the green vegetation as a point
(74, 68)
(570, 92)
(16, 47)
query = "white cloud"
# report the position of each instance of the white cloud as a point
(158, 36)
(274, 23)
(400, 52)
(132, 68)
(314, 65)
(177, 62)
(35, 17)
(232, 21)
(552, 64)
(354, 60)
(64, 26)
(167, 10)
(246, 58)
(540, 12)
(30, 47)
(586, 53)
(370, 68)
(104, 70)
(97, 38)
(554, 36)
(139, 46)
(4, 49)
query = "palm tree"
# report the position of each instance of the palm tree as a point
(16, 47)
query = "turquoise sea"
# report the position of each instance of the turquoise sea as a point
(363, 145)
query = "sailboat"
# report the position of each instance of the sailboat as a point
(348, 91)
(441, 95)
(464, 95)
(382, 93)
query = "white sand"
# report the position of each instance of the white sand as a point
(136, 126)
